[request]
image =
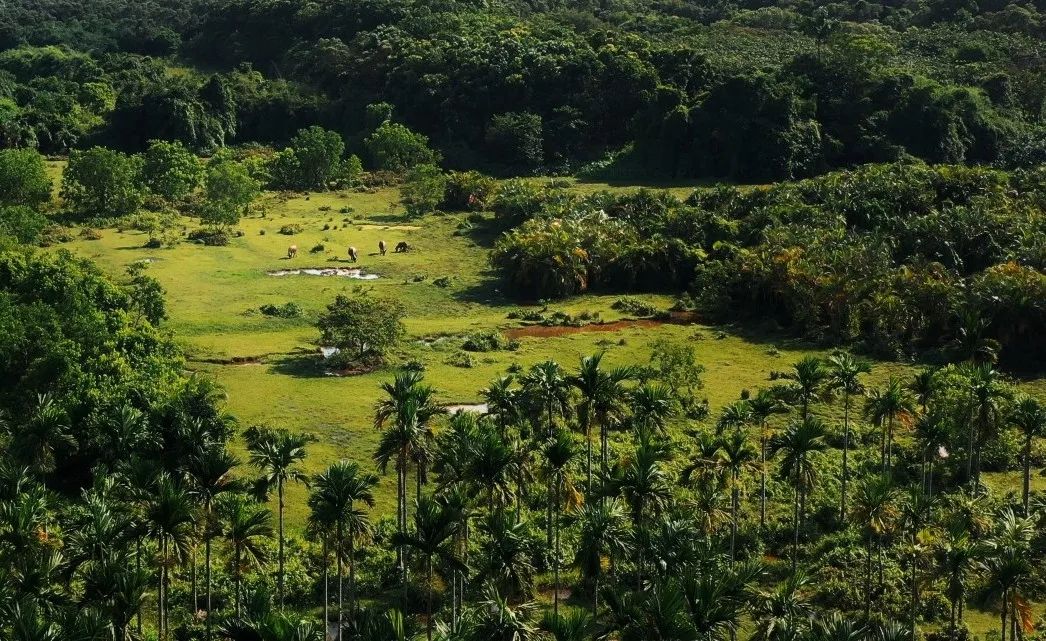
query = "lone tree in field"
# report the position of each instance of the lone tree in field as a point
(362, 327)
(230, 190)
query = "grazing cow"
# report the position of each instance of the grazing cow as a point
(382, 247)
(292, 251)
(352, 254)
(402, 247)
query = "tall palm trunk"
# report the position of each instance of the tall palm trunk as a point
(341, 602)
(795, 527)
(326, 585)
(846, 458)
(733, 515)
(559, 486)
(279, 489)
(1027, 472)
(138, 568)
(762, 478)
(238, 576)
(352, 566)
(428, 604)
(207, 562)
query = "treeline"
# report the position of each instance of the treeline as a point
(763, 93)
(898, 258)
(586, 490)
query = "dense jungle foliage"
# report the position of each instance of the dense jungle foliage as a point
(754, 92)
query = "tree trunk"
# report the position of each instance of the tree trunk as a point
(428, 606)
(238, 578)
(733, 516)
(341, 601)
(795, 530)
(138, 568)
(846, 452)
(326, 587)
(280, 491)
(207, 563)
(1027, 471)
(559, 485)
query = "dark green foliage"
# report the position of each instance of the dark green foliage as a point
(101, 183)
(312, 161)
(22, 223)
(170, 170)
(23, 178)
(362, 326)
(514, 140)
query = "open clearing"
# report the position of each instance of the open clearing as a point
(272, 368)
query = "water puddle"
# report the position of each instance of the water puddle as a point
(343, 272)
(479, 408)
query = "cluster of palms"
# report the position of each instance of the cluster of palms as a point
(587, 492)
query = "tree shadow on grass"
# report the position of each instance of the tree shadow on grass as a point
(301, 366)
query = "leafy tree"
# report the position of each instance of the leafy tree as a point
(394, 147)
(23, 178)
(170, 170)
(422, 190)
(100, 182)
(229, 190)
(313, 160)
(22, 223)
(514, 140)
(363, 326)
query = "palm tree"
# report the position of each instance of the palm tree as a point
(783, 608)
(1009, 568)
(924, 386)
(490, 466)
(210, 474)
(335, 494)
(602, 533)
(652, 405)
(505, 559)
(809, 376)
(434, 530)
(411, 407)
(885, 407)
(737, 455)
(247, 526)
(799, 443)
(931, 432)
(958, 556)
(277, 454)
(876, 509)
(971, 342)
(1029, 416)
(502, 402)
(169, 515)
(987, 394)
(736, 415)
(559, 453)
(844, 375)
(547, 387)
(44, 435)
(603, 396)
(764, 405)
(643, 481)
(577, 625)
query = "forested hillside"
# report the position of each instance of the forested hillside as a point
(750, 93)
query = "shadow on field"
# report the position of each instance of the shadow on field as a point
(300, 366)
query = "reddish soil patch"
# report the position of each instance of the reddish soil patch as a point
(552, 331)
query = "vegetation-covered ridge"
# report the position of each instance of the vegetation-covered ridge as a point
(759, 92)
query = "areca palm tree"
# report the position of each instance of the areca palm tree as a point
(42, 436)
(736, 415)
(434, 530)
(602, 533)
(875, 507)
(885, 407)
(1009, 567)
(502, 402)
(798, 445)
(808, 378)
(278, 455)
(784, 607)
(247, 526)
(652, 405)
(576, 625)
(924, 385)
(643, 481)
(603, 395)
(210, 474)
(738, 456)
(931, 432)
(1029, 416)
(986, 395)
(505, 558)
(844, 375)
(490, 466)
(409, 408)
(169, 515)
(335, 495)
(559, 453)
(764, 404)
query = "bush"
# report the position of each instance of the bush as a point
(170, 170)
(210, 236)
(422, 190)
(23, 178)
(291, 229)
(23, 223)
(486, 341)
(467, 191)
(363, 327)
(286, 310)
(514, 139)
(318, 248)
(394, 147)
(634, 306)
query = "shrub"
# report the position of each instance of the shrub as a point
(485, 341)
(291, 229)
(23, 223)
(317, 248)
(100, 182)
(286, 310)
(467, 191)
(210, 236)
(23, 178)
(634, 306)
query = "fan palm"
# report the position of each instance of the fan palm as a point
(799, 444)
(844, 375)
(335, 494)
(278, 455)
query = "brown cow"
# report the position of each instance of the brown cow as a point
(402, 247)
(352, 254)
(382, 247)
(292, 251)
